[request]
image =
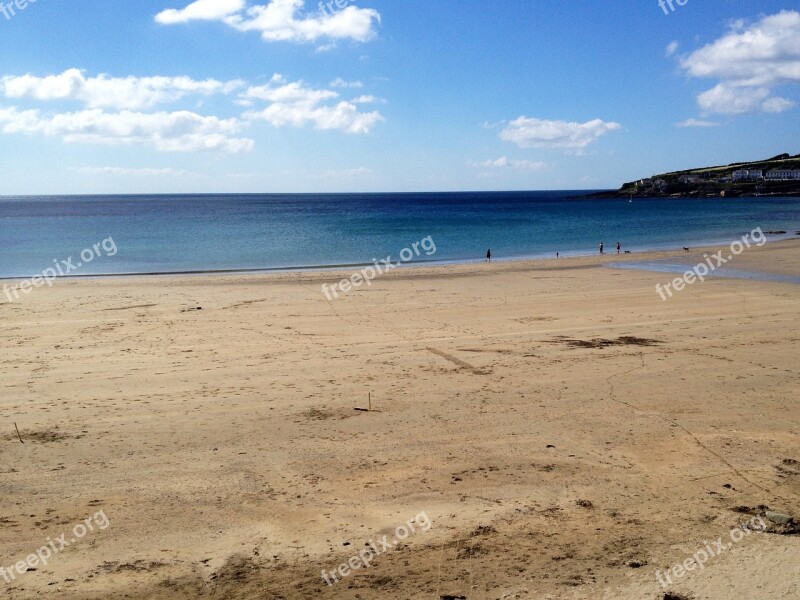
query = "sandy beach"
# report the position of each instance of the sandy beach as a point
(565, 432)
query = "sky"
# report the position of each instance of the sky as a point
(281, 96)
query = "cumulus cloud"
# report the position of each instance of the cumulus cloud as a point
(507, 163)
(133, 172)
(294, 104)
(776, 104)
(181, 131)
(732, 99)
(131, 93)
(125, 123)
(526, 132)
(341, 83)
(113, 110)
(354, 173)
(672, 48)
(697, 123)
(749, 62)
(281, 20)
(366, 99)
(201, 10)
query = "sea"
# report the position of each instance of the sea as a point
(227, 233)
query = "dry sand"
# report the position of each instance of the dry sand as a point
(566, 432)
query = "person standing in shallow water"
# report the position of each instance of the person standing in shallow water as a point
(489, 255)
(601, 247)
(619, 247)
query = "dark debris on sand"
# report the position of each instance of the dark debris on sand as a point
(625, 340)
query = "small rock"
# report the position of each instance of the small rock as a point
(780, 518)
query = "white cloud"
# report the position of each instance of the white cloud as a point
(355, 173)
(287, 103)
(776, 104)
(279, 90)
(341, 83)
(498, 163)
(281, 20)
(293, 104)
(672, 48)
(131, 172)
(172, 132)
(201, 10)
(365, 99)
(506, 163)
(322, 48)
(538, 133)
(131, 93)
(733, 100)
(697, 123)
(750, 62)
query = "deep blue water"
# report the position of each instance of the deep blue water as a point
(222, 232)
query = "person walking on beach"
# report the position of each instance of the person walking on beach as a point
(489, 255)
(619, 247)
(601, 247)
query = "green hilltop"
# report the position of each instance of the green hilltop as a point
(706, 182)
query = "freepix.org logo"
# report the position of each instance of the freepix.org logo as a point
(10, 9)
(367, 274)
(54, 546)
(712, 263)
(671, 4)
(330, 7)
(61, 268)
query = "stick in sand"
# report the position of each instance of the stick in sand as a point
(18, 435)
(370, 405)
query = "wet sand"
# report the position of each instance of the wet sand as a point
(566, 431)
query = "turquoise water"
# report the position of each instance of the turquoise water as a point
(159, 234)
(680, 267)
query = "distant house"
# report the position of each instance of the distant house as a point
(687, 179)
(644, 183)
(748, 175)
(783, 174)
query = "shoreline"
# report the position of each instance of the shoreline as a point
(651, 254)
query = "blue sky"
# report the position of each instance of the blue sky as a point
(156, 96)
